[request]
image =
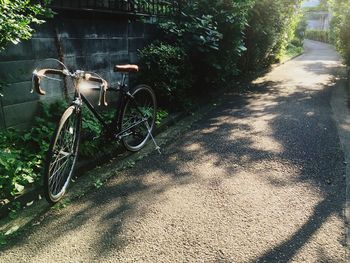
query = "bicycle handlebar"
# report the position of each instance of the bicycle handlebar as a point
(38, 75)
(103, 89)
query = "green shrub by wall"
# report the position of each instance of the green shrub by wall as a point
(317, 35)
(340, 28)
(167, 69)
(271, 26)
(212, 35)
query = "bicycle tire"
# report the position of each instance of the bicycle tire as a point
(144, 100)
(62, 155)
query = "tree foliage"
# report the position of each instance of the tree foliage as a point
(17, 17)
(340, 27)
(211, 32)
(222, 38)
(272, 25)
(257, 31)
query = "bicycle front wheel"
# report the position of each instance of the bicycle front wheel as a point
(62, 155)
(138, 118)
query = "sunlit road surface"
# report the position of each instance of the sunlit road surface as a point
(260, 179)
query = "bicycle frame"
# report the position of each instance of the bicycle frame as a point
(79, 98)
(116, 122)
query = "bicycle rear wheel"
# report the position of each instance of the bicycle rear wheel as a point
(138, 118)
(62, 155)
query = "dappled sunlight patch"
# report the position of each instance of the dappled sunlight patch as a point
(261, 107)
(305, 98)
(154, 178)
(263, 135)
(310, 113)
(210, 170)
(345, 126)
(192, 147)
(173, 158)
(307, 71)
(267, 144)
(209, 129)
(217, 121)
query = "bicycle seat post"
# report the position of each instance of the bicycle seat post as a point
(123, 82)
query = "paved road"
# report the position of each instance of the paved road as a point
(260, 179)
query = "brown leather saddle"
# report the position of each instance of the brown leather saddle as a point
(129, 68)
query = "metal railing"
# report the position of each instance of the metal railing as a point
(136, 7)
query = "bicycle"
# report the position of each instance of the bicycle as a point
(132, 123)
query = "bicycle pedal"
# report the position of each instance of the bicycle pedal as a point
(158, 149)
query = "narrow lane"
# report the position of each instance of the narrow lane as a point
(260, 179)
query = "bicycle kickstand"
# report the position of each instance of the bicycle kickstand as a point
(154, 141)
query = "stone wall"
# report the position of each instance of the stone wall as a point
(83, 41)
(349, 80)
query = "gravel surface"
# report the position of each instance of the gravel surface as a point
(260, 179)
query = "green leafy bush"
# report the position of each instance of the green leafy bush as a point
(231, 18)
(195, 32)
(199, 39)
(22, 153)
(317, 35)
(161, 115)
(167, 70)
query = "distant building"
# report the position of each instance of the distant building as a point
(317, 20)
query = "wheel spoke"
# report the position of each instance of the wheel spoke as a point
(64, 155)
(57, 170)
(62, 179)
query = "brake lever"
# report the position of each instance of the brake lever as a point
(103, 92)
(103, 88)
(36, 83)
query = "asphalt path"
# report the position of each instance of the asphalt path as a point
(260, 179)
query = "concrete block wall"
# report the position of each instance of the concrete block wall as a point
(83, 41)
(348, 70)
